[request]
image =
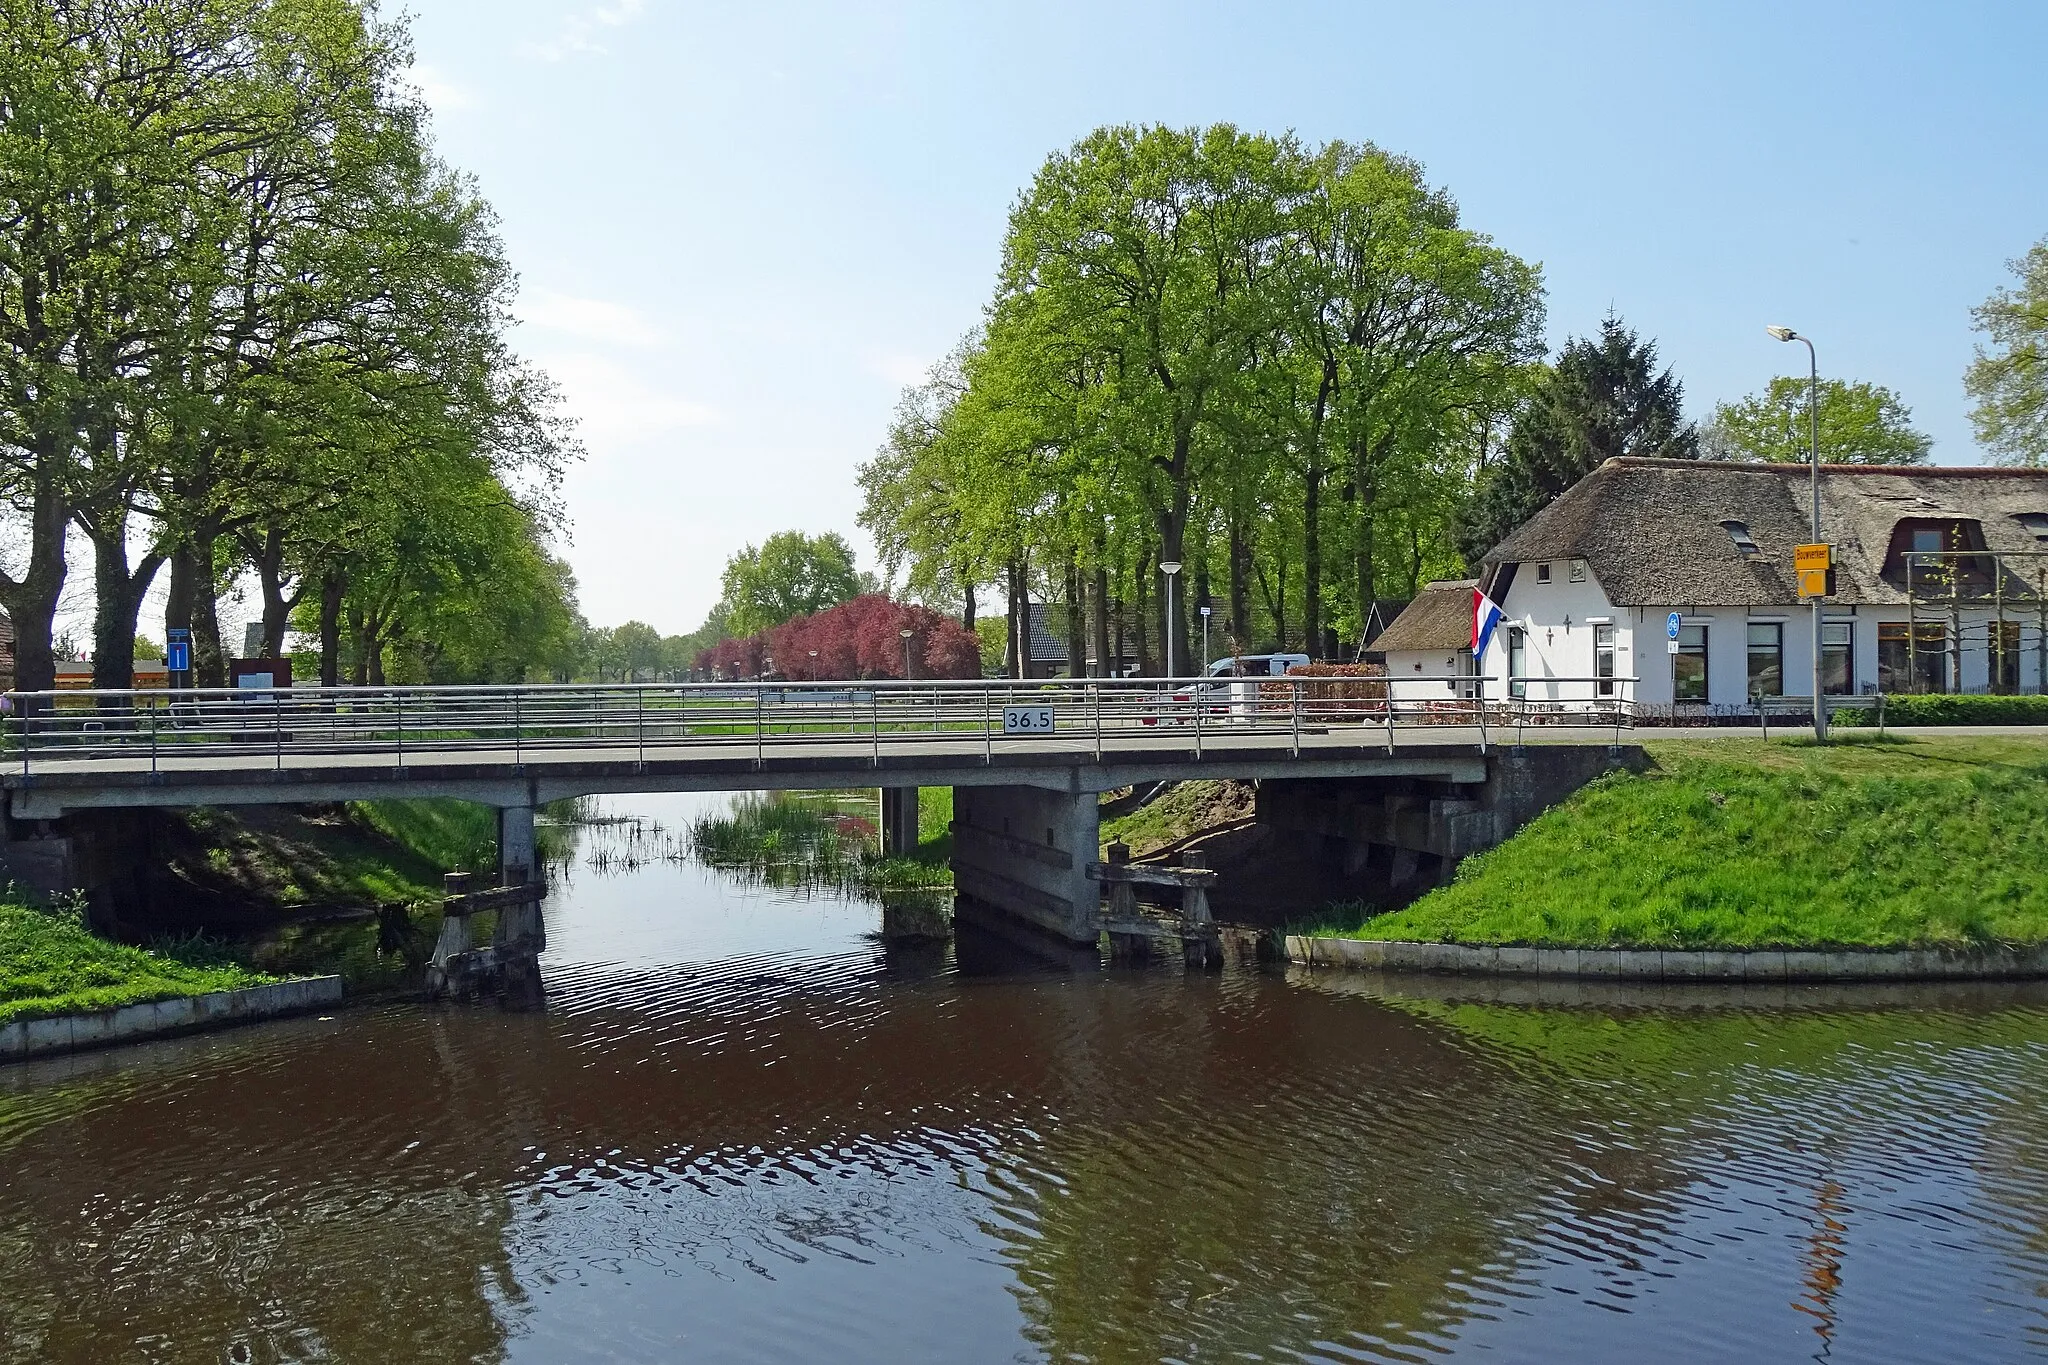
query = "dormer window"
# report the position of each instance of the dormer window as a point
(2035, 522)
(1744, 542)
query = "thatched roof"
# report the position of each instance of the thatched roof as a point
(1440, 617)
(1653, 531)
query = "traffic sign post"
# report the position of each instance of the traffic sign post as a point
(1815, 565)
(1671, 625)
(177, 653)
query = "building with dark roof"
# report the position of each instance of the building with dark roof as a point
(1678, 574)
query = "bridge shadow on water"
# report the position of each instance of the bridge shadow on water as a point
(747, 1128)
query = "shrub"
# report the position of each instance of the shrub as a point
(1946, 709)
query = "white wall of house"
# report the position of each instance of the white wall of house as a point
(1419, 674)
(1556, 650)
(1560, 620)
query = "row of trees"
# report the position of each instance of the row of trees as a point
(251, 325)
(1292, 370)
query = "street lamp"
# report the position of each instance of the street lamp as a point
(1169, 567)
(1205, 639)
(906, 634)
(814, 665)
(1820, 704)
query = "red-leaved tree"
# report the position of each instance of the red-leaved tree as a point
(858, 639)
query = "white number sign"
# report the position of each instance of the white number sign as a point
(1027, 720)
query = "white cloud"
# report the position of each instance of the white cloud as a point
(441, 94)
(587, 319)
(580, 29)
(614, 403)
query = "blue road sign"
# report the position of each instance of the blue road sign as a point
(178, 650)
(1671, 625)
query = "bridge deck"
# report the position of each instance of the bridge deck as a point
(541, 773)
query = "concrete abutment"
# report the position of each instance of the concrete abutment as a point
(1025, 851)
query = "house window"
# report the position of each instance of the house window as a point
(1838, 658)
(1766, 659)
(1518, 655)
(2005, 657)
(1577, 573)
(1542, 573)
(1901, 667)
(1603, 661)
(1689, 665)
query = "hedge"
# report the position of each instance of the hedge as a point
(1943, 709)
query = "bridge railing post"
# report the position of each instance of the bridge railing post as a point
(1294, 706)
(640, 699)
(760, 729)
(988, 741)
(398, 709)
(515, 728)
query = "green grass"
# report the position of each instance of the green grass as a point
(1186, 809)
(49, 965)
(1937, 841)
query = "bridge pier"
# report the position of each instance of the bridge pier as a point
(521, 933)
(1025, 851)
(898, 821)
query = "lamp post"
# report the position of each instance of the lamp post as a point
(814, 665)
(906, 634)
(1205, 640)
(1169, 567)
(1820, 702)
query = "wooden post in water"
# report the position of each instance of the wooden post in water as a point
(1201, 943)
(1124, 946)
(454, 941)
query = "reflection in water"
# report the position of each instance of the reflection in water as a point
(746, 1129)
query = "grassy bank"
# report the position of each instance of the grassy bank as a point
(1934, 841)
(1184, 810)
(49, 965)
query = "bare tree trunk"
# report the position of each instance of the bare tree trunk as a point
(332, 587)
(1077, 630)
(1104, 665)
(31, 601)
(190, 604)
(118, 594)
(967, 603)
(1138, 618)
(1240, 594)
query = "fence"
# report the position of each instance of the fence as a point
(670, 720)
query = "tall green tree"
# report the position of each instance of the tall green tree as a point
(789, 574)
(1604, 397)
(2009, 379)
(1860, 423)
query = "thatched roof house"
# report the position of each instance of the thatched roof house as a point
(1708, 533)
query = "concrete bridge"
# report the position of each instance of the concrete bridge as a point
(1027, 761)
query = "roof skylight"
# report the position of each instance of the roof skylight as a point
(1739, 533)
(2037, 522)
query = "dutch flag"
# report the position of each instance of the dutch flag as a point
(1486, 614)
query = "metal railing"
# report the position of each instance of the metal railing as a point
(207, 726)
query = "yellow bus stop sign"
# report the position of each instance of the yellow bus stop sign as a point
(1812, 563)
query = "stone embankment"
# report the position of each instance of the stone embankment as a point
(1650, 964)
(163, 1018)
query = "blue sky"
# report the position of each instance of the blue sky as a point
(742, 228)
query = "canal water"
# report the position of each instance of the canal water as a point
(746, 1130)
